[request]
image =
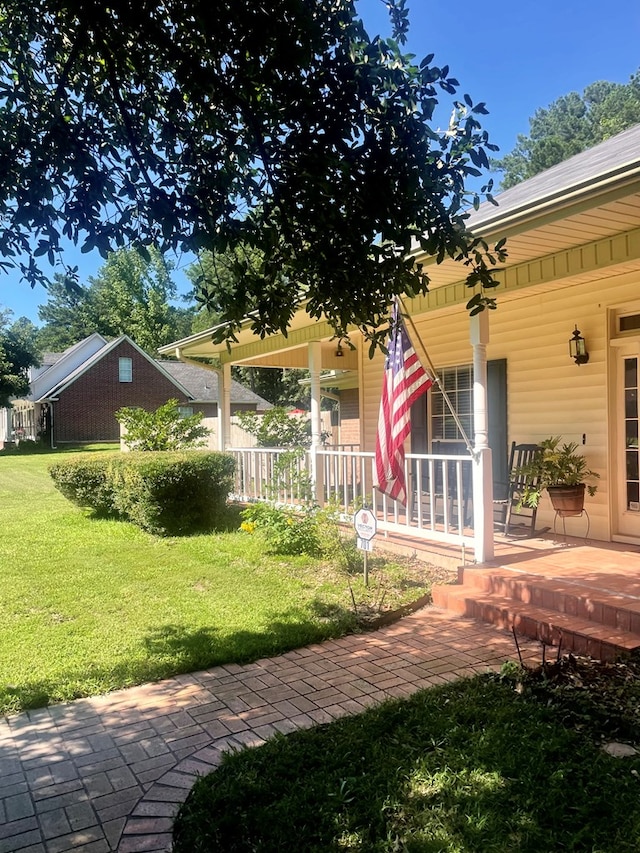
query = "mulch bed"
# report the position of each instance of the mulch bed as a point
(591, 694)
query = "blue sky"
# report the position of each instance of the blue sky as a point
(514, 56)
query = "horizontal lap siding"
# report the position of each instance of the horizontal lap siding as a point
(446, 337)
(86, 410)
(548, 394)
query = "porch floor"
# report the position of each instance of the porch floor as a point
(608, 565)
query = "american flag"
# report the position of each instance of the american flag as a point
(403, 383)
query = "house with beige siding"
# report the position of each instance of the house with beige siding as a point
(573, 241)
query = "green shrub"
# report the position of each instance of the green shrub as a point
(276, 428)
(172, 494)
(338, 541)
(168, 494)
(287, 531)
(290, 477)
(305, 530)
(87, 480)
(163, 429)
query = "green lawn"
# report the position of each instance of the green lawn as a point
(472, 767)
(87, 606)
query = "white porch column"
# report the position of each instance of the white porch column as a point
(482, 469)
(315, 365)
(224, 407)
(5, 426)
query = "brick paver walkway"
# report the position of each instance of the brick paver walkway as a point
(108, 773)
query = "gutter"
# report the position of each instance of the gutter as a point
(579, 192)
(185, 359)
(527, 212)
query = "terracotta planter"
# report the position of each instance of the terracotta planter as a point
(567, 500)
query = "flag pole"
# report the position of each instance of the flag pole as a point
(436, 378)
(405, 379)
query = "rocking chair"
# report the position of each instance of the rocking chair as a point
(509, 516)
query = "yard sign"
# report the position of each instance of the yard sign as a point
(366, 527)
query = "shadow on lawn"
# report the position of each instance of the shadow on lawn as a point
(174, 649)
(472, 767)
(230, 520)
(27, 447)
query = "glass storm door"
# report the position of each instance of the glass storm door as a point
(628, 456)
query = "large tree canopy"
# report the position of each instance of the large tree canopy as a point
(217, 273)
(130, 295)
(274, 124)
(17, 354)
(570, 125)
(67, 316)
(220, 275)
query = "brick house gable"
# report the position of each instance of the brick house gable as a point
(85, 409)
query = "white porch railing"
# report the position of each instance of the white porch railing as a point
(439, 488)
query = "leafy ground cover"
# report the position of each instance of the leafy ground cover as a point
(496, 764)
(88, 606)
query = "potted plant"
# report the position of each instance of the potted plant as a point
(563, 472)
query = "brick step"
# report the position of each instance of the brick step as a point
(616, 610)
(581, 636)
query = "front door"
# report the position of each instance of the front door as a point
(627, 454)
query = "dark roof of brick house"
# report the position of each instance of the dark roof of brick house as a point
(202, 384)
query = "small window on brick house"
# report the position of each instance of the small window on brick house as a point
(125, 370)
(185, 411)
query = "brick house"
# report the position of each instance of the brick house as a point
(75, 394)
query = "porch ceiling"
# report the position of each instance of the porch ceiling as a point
(549, 257)
(298, 357)
(595, 261)
(273, 351)
(552, 233)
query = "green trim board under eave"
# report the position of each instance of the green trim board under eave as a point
(595, 256)
(274, 343)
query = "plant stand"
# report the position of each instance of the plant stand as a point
(564, 515)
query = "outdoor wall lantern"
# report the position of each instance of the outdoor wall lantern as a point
(578, 348)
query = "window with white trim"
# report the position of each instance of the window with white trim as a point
(458, 384)
(632, 421)
(125, 370)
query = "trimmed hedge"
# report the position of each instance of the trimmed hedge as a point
(86, 479)
(173, 494)
(166, 493)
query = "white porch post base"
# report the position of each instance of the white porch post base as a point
(483, 505)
